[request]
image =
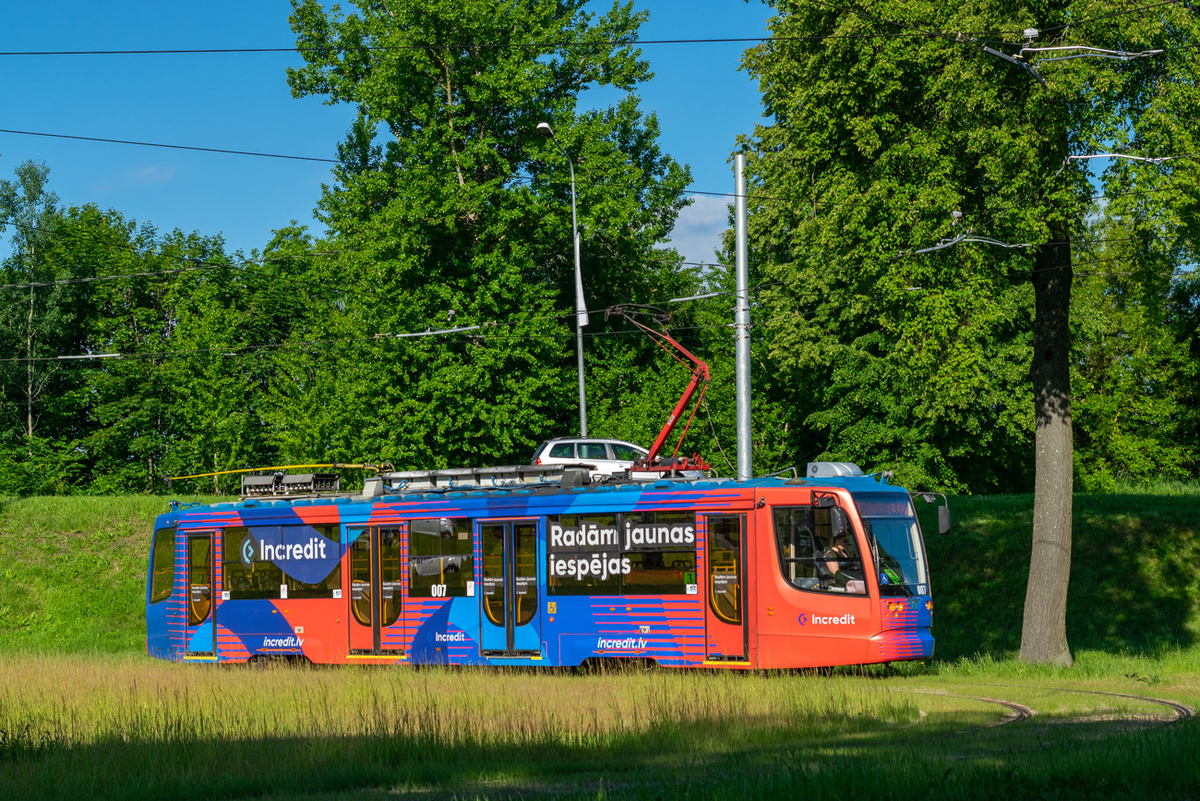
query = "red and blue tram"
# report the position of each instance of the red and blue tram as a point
(432, 568)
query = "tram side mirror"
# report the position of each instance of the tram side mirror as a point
(943, 512)
(943, 520)
(838, 521)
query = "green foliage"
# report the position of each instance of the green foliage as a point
(1130, 379)
(37, 466)
(446, 211)
(449, 211)
(919, 362)
(36, 320)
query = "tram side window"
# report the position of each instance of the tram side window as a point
(666, 561)
(643, 553)
(809, 557)
(250, 562)
(162, 565)
(584, 552)
(243, 575)
(324, 587)
(441, 557)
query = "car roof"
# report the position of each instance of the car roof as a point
(592, 439)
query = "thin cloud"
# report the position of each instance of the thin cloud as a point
(134, 177)
(155, 174)
(697, 234)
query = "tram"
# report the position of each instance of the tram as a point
(538, 566)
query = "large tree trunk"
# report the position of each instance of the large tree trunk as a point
(1044, 633)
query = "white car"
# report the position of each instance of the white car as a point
(436, 565)
(606, 457)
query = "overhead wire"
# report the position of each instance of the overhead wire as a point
(1123, 12)
(750, 194)
(518, 177)
(914, 31)
(225, 151)
(301, 49)
(486, 331)
(192, 263)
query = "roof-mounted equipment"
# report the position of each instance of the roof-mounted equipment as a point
(654, 462)
(477, 478)
(833, 470)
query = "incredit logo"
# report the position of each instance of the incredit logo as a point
(248, 551)
(284, 552)
(457, 636)
(282, 642)
(826, 620)
(605, 644)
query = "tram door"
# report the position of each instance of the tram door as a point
(509, 623)
(200, 633)
(725, 624)
(375, 590)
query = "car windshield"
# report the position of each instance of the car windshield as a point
(896, 545)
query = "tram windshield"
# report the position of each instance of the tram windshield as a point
(896, 545)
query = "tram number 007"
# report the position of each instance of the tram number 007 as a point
(438, 591)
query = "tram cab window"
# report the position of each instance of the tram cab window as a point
(441, 557)
(895, 538)
(811, 557)
(162, 565)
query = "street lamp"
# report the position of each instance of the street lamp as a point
(581, 313)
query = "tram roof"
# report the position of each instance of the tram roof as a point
(603, 493)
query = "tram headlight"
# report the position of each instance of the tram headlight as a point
(929, 605)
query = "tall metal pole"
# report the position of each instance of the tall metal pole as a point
(741, 324)
(581, 319)
(581, 312)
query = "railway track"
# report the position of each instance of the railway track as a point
(1180, 712)
(1019, 713)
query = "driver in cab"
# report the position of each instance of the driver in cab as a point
(841, 564)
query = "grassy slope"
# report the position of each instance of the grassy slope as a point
(72, 573)
(1135, 586)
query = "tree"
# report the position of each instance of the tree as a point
(450, 212)
(1130, 366)
(31, 209)
(120, 406)
(894, 130)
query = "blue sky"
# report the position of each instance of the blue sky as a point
(242, 102)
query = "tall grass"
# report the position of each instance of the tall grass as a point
(129, 728)
(124, 726)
